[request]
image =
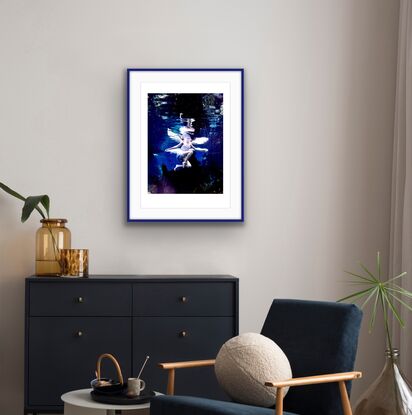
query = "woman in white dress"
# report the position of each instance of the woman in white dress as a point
(185, 148)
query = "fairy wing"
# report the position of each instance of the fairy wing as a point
(173, 136)
(200, 140)
(177, 151)
(186, 130)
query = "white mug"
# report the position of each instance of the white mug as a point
(135, 386)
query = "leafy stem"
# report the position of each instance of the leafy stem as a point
(39, 203)
(387, 296)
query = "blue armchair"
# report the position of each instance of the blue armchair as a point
(318, 338)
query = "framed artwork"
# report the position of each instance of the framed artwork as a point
(185, 145)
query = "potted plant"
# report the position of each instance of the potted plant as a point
(391, 393)
(50, 238)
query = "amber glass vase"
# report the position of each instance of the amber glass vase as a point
(50, 238)
(390, 394)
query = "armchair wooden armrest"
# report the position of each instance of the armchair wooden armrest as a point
(171, 366)
(340, 378)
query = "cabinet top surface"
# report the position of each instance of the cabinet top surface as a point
(134, 278)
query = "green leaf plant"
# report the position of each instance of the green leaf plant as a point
(386, 296)
(40, 203)
(31, 203)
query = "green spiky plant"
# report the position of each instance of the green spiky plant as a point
(31, 203)
(385, 295)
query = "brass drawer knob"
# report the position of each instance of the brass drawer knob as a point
(79, 333)
(183, 333)
(80, 299)
(184, 299)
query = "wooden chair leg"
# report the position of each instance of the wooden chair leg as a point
(171, 382)
(345, 399)
(279, 401)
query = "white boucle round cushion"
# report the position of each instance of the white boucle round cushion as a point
(245, 363)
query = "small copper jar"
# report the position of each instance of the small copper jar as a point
(74, 262)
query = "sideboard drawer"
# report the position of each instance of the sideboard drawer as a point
(172, 339)
(184, 299)
(80, 299)
(63, 353)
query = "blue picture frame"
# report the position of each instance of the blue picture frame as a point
(132, 218)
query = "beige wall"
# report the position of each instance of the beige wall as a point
(320, 78)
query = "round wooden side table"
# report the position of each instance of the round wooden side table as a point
(79, 402)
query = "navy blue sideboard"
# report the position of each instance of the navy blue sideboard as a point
(69, 323)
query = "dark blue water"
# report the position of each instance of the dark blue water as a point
(206, 173)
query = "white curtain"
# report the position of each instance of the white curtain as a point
(401, 216)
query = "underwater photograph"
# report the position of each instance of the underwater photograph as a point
(185, 143)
